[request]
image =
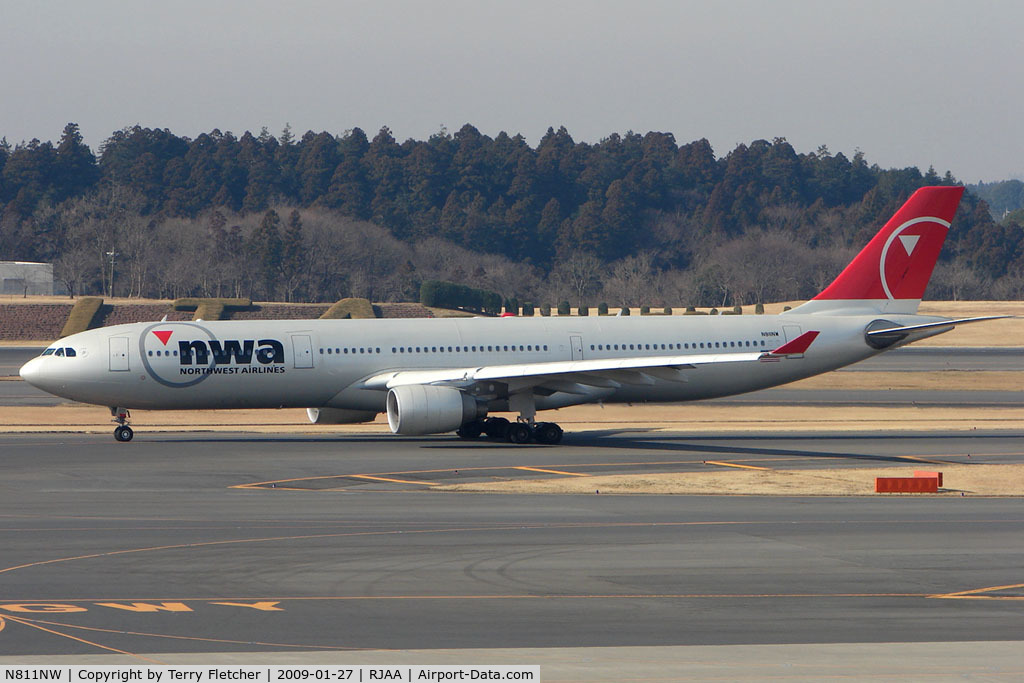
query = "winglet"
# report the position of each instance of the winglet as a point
(797, 346)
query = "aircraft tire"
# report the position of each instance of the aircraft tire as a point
(519, 433)
(470, 430)
(496, 427)
(123, 433)
(548, 433)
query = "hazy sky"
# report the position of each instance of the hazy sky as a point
(909, 83)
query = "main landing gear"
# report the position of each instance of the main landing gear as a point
(519, 432)
(122, 432)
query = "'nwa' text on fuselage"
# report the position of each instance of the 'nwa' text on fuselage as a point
(267, 351)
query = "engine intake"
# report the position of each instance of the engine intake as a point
(417, 409)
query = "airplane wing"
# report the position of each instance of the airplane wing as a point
(575, 376)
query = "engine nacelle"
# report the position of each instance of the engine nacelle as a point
(339, 416)
(417, 409)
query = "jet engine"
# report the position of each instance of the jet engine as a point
(339, 416)
(417, 409)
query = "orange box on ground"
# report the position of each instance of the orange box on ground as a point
(934, 475)
(906, 485)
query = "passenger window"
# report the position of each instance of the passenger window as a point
(328, 351)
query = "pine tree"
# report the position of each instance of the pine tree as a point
(266, 247)
(293, 256)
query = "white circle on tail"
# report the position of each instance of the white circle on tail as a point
(908, 241)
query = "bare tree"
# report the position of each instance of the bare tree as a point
(631, 279)
(579, 273)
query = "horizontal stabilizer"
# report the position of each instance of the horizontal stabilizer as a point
(930, 326)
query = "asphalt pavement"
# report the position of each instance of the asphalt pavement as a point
(151, 547)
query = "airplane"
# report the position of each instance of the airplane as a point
(434, 376)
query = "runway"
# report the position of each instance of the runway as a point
(148, 548)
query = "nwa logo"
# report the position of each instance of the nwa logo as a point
(184, 354)
(268, 351)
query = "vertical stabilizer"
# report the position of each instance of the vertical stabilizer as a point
(891, 273)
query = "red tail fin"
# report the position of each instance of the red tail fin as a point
(894, 268)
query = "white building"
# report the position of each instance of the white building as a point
(25, 277)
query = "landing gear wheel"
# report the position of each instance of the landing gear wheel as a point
(470, 430)
(519, 432)
(496, 427)
(548, 433)
(123, 433)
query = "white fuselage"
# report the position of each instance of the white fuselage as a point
(324, 363)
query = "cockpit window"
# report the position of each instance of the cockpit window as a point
(70, 352)
(47, 352)
(60, 352)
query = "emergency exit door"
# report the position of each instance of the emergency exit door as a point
(576, 344)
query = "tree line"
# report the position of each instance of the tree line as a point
(633, 219)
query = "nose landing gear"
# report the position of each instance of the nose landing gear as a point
(122, 432)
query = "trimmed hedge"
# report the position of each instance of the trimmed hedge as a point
(82, 314)
(351, 307)
(563, 308)
(212, 308)
(441, 294)
(602, 308)
(528, 310)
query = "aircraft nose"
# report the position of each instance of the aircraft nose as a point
(30, 371)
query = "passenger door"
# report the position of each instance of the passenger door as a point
(119, 354)
(302, 350)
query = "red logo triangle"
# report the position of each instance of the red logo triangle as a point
(163, 335)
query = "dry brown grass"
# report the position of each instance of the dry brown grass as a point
(984, 480)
